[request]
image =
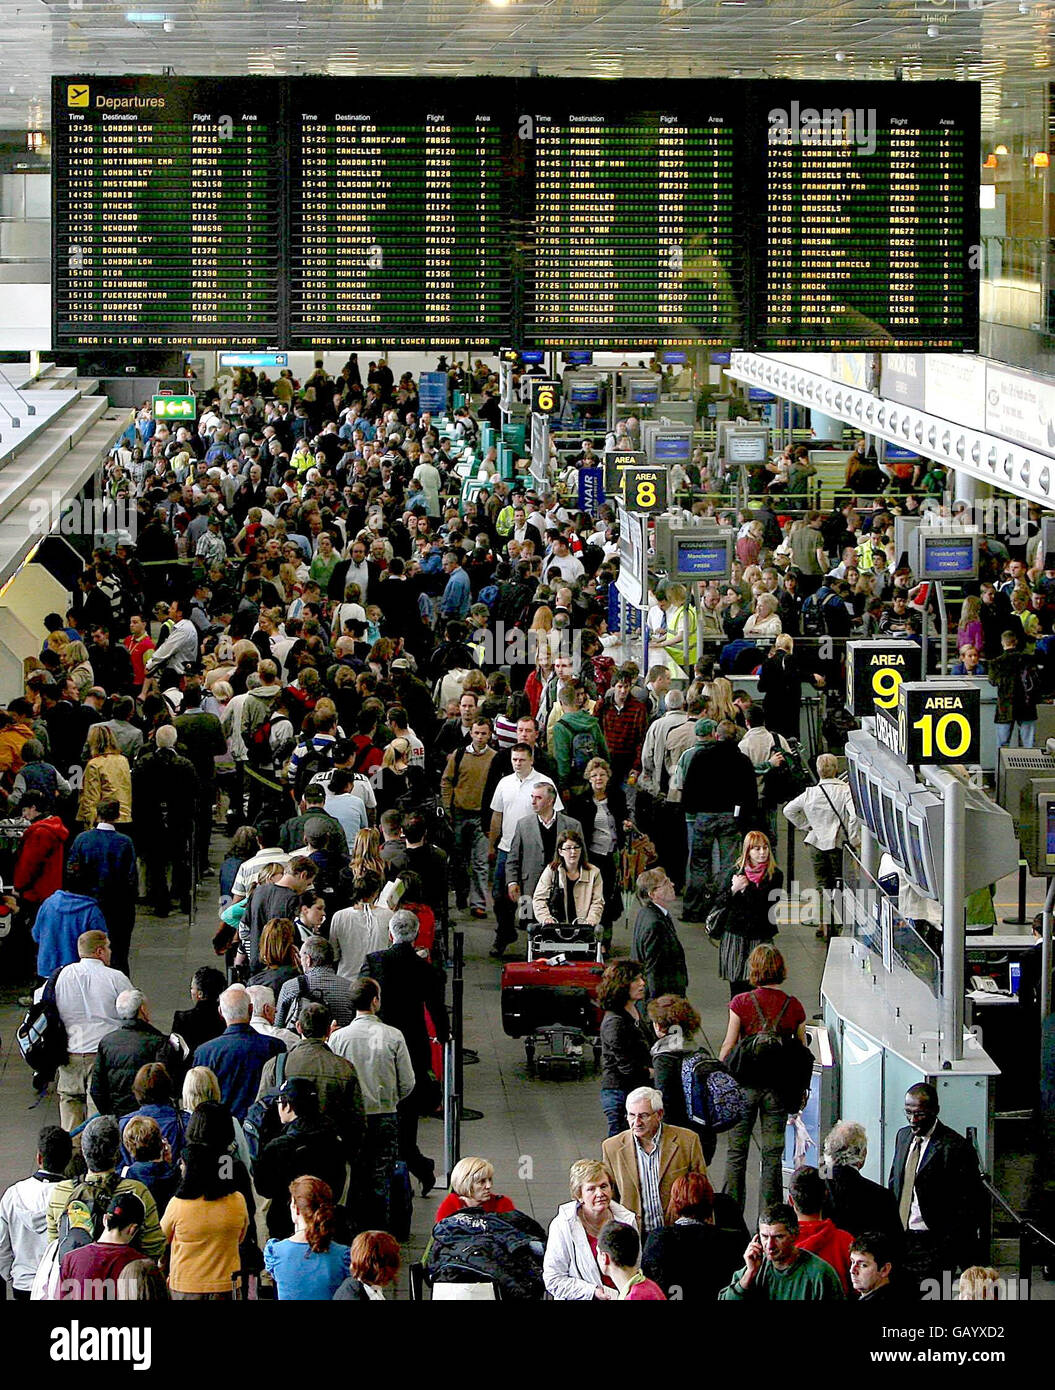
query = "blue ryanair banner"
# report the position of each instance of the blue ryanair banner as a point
(591, 489)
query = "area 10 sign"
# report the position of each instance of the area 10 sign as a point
(874, 672)
(937, 722)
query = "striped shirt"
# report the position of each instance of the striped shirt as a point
(648, 1181)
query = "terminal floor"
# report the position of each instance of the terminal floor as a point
(531, 1129)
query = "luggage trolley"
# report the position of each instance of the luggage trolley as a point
(550, 1000)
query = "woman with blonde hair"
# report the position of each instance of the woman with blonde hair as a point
(979, 1285)
(472, 1188)
(201, 1085)
(107, 777)
(570, 1268)
(764, 621)
(746, 907)
(77, 666)
(719, 696)
(366, 853)
(969, 629)
(399, 776)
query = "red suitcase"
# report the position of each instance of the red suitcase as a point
(536, 994)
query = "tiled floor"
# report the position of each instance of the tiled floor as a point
(531, 1129)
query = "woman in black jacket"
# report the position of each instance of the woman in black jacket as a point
(624, 1042)
(748, 910)
(780, 681)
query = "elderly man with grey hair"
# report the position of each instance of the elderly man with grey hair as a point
(648, 1156)
(239, 1054)
(122, 1052)
(262, 998)
(100, 1149)
(854, 1202)
(409, 985)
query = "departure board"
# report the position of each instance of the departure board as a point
(398, 216)
(636, 216)
(870, 217)
(167, 226)
(632, 210)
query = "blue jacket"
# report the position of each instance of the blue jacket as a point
(237, 1057)
(60, 921)
(457, 595)
(108, 860)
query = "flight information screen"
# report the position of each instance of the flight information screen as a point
(870, 217)
(166, 212)
(284, 213)
(398, 215)
(630, 200)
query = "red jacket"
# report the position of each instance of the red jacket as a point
(38, 868)
(823, 1238)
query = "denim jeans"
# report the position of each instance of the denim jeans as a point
(613, 1103)
(710, 829)
(1027, 733)
(762, 1105)
(469, 863)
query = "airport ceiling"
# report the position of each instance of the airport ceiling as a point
(1007, 45)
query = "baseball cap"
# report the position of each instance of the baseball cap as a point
(126, 1208)
(298, 1090)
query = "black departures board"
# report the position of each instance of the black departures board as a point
(871, 217)
(166, 212)
(633, 212)
(474, 213)
(398, 214)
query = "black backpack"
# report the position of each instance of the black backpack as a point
(781, 784)
(754, 1059)
(41, 1036)
(81, 1222)
(262, 1123)
(475, 1247)
(314, 761)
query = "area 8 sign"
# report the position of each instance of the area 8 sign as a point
(646, 489)
(939, 722)
(874, 672)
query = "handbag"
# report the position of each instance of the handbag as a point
(714, 924)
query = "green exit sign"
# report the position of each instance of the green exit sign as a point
(175, 408)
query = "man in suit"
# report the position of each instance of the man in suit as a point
(103, 861)
(853, 1202)
(655, 942)
(535, 841)
(935, 1178)
(646, 1159)
(409, 985)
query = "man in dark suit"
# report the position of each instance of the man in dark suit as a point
(655, 942)
(410, 985)
(103, 861)
(853, 1202)
(935, 1178)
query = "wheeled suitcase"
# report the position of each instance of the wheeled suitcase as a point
(575, 939)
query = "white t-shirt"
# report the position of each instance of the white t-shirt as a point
(360, 787)
(512, 799)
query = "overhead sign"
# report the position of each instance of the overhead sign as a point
(615, 463)
(175, 408)
(874, 672)
(645, 489)
(701, 554)
(545, 397)
(254, 359)
(937, 723)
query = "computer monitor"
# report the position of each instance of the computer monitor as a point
(578, 358)
(875, 802)
(643, 395)
(902, 834)
(855, 792)
(946, 557)
(891, 840)
(747, 445)
(673, 449)
(588, 393)
(674, 359)
(920, 866)
(532, 357)
(701, 555)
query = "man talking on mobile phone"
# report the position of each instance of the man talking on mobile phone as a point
(777, 1271)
